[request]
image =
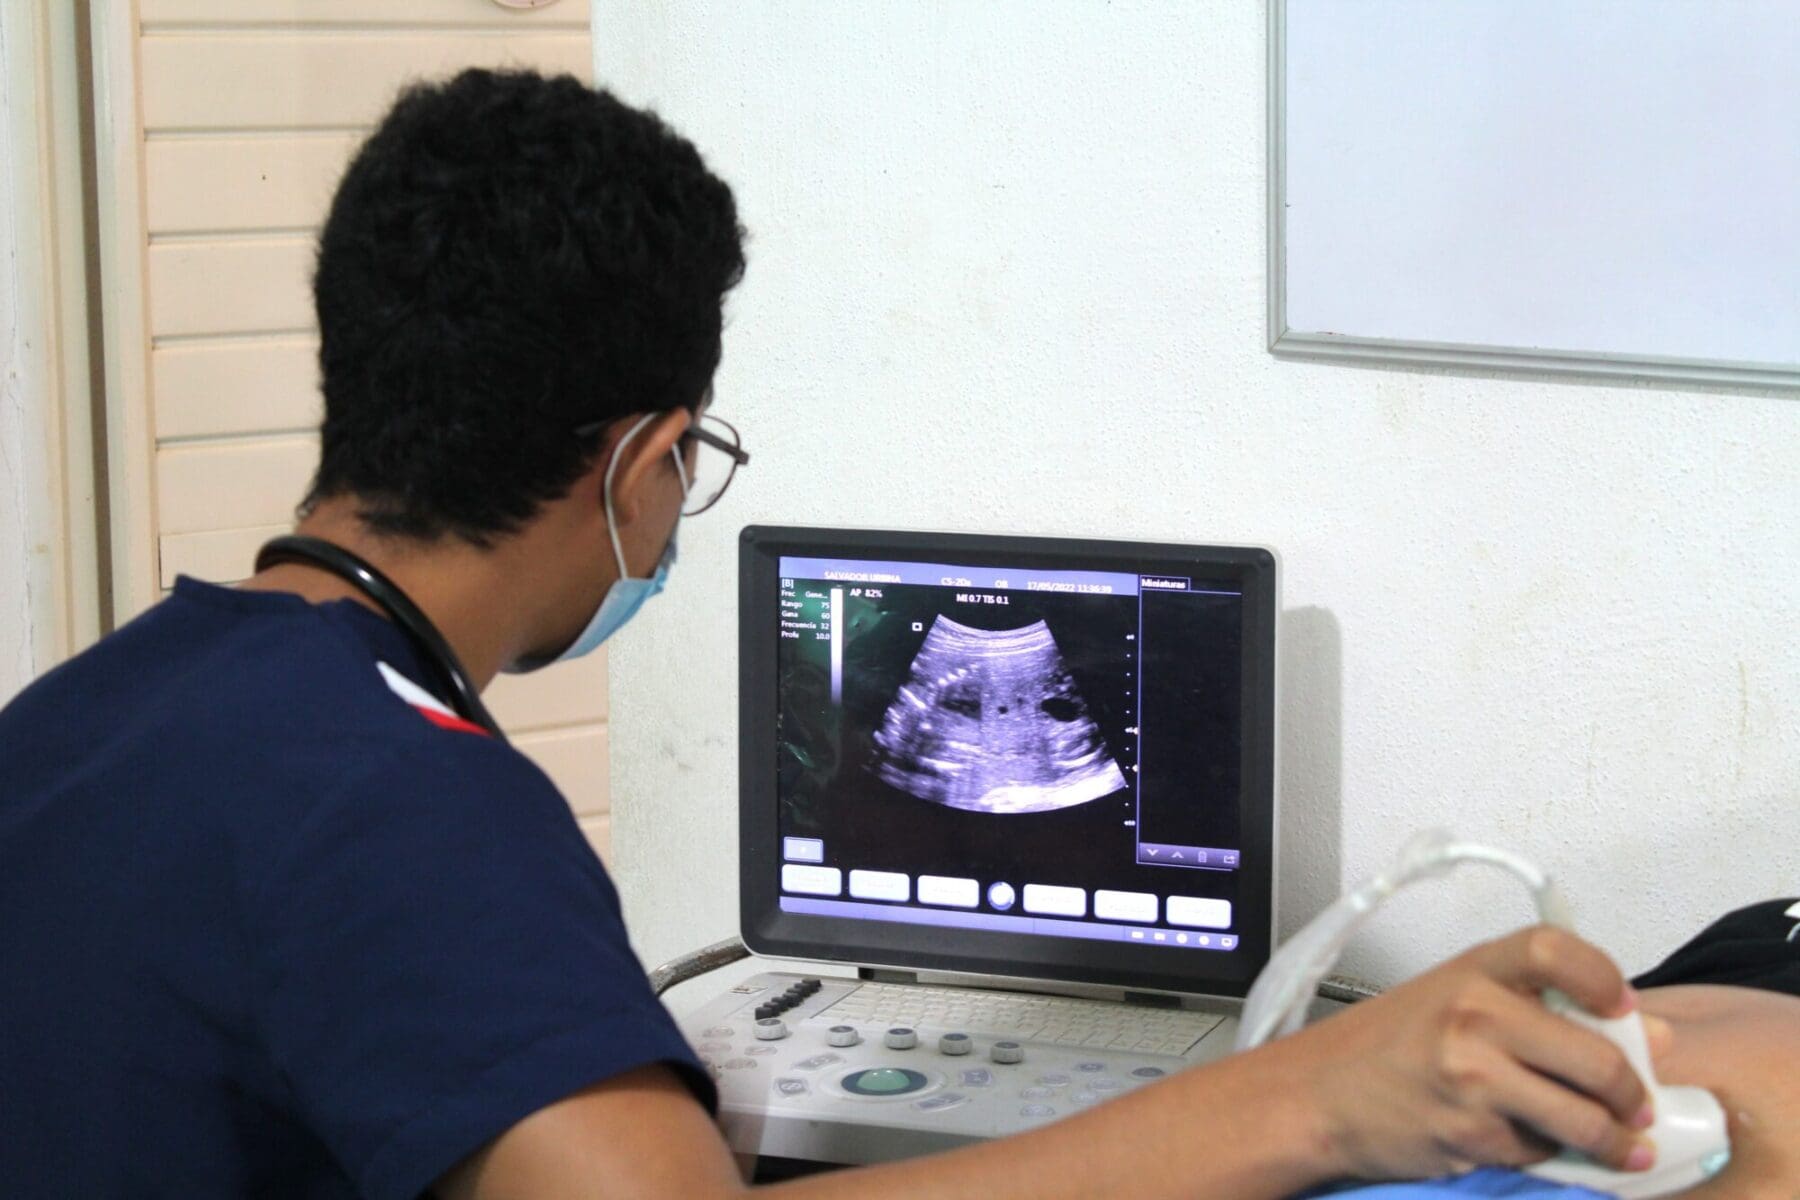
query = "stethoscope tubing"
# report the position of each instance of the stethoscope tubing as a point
(460, 690)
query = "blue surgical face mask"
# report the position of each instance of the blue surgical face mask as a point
(626, 595)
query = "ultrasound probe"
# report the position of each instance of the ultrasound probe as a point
(1689, 1132)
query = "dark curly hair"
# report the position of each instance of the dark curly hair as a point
(509, 257)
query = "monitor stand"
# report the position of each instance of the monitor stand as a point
(1002, 983)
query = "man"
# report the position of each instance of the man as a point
(279, 917)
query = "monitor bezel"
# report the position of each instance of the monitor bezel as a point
(769, 931)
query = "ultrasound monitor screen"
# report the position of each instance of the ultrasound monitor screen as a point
(1033, 746)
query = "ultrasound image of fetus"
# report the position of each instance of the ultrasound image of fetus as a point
(990, 721)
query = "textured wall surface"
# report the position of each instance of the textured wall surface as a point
(1008, 275)
(16, 561)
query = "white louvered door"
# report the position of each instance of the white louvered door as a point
(223, 127)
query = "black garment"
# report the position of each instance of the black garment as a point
(275, 924)
(1754, 947)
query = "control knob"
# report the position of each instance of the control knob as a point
(900, 1038)
(843, 1035)
(771, 1029)
(1007, 1052)
(955, 1043)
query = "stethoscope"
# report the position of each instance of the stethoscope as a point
(464, 697)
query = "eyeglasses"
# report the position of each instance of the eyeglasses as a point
(712, 473)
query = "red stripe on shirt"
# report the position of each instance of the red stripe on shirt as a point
(446, 721)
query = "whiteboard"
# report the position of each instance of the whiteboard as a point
(1602, 187)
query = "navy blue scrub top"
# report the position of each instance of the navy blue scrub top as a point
(268, 929)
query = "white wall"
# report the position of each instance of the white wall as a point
(1008, 275)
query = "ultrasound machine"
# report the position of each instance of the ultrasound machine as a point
(1025, 789)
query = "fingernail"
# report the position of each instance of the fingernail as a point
(1646, 1117)
(1642, 1156)
(1629, 1000)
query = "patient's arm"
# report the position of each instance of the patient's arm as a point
(1744, 1046)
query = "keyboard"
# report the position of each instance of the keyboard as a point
(835, 1070)
(1057, 1020)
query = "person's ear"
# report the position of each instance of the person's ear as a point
(643, 456)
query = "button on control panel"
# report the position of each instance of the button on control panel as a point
(884, 1081)
(940, 1102)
